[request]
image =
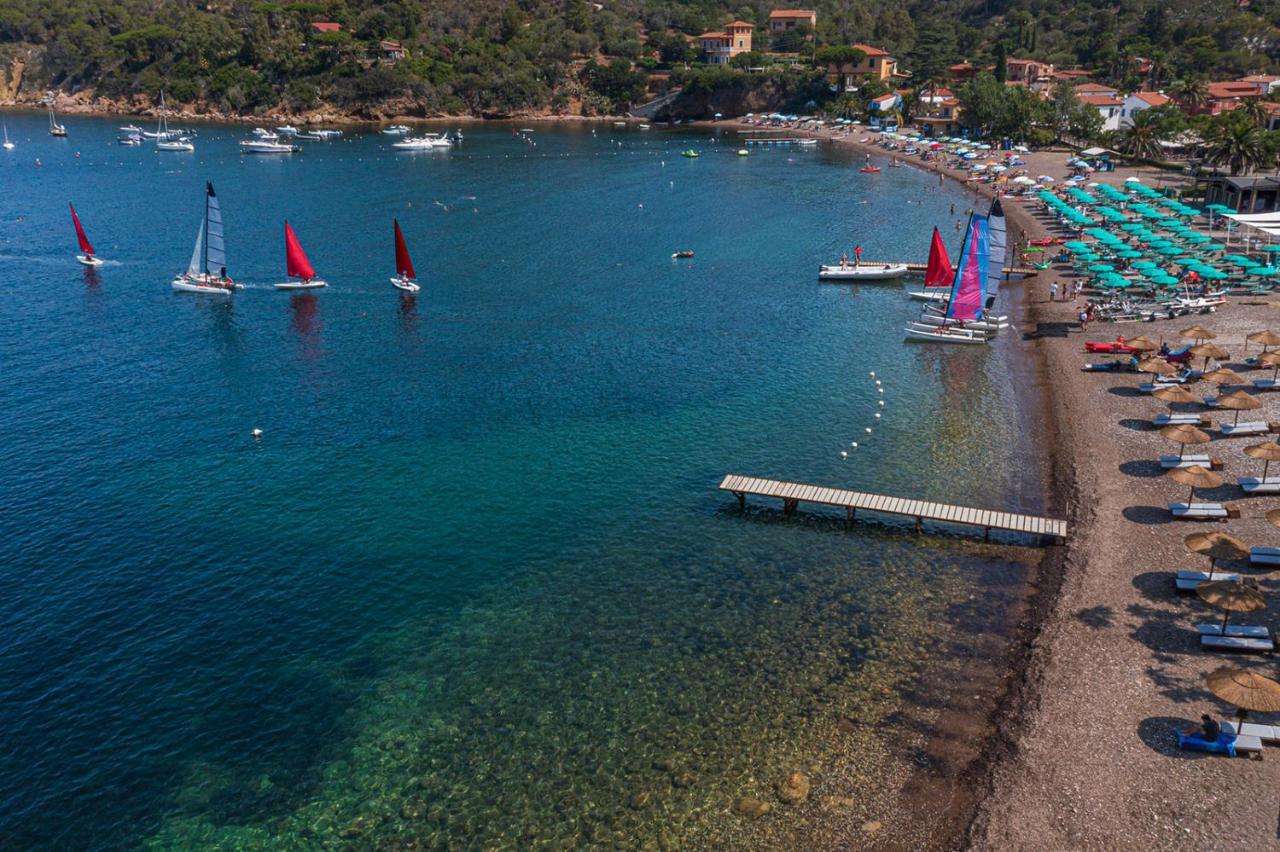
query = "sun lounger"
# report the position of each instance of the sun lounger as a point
(1187, 581)
(1227, 744)
(1149, 387)
(1265, 733)
(1236, 643)
(1203, 511)
(1250, 427)
(1240, 631)
(1253, 485)
(1265, 384)
(1264, 555)
(1189, 459)
(1190, 418)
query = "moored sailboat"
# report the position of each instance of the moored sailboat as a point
(8, 146)
(55, 129)
(968, 294)
(405, 275)
(89, 258)
(207, 271)
(297, 265)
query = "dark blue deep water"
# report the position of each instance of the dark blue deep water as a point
(475, 586)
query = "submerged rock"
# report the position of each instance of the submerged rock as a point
(753, 808)
(871, 826)
(793, 789)
(683, 778)
(640, 800)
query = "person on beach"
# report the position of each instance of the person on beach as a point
(1209, 729)
(1084, 320)
(1053, 291)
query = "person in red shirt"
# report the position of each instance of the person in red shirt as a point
(857, 255)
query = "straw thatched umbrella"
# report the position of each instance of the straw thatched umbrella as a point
(1194, 476)
(1197, 333)
(1183, 434)
(1268, 451)
(1157, 367)
(1174, 394)
(1216, 545)
(1266, 337)
(1272, 360)
(1223, 376)
(1237, 402)
(1209, 350)
(1231, 596)
(1142, 343)
(1273, 517)
(1245, 689)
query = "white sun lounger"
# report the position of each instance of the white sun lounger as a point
(1253, 485)
(1240, 631)
(1246, 743)
(1186, 460)
(1188, 580)
(1266, 733)
(1188, 418)
(1249, 427)
(1149, 387)
(1265, 384)
(1264, 555)
(1199, 511)
(1233, 643)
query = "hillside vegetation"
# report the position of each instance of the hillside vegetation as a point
(569, 56)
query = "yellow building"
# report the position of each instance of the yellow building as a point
(876, 64)
(720, 47)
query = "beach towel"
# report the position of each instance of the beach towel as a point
(1224, 744)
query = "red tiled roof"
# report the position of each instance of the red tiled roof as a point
(1259, 78)
(961, 66)
(326, 27)
(1100, 100)
(871, 51)
(733, 24)
(1092, 89)
(714, 35)
(1232, 90)
(792, 13)
(1154, 98)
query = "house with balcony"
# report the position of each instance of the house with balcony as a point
(1108, 105)
(720, 47)
(392, 51)
(937, 112)
(876, 64)
(1029, 73)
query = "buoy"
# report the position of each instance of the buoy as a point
(873, 374)
(877, 415)
(882, 403)
(855, 445)
(868, 430)
(843, 454)
(257, 433)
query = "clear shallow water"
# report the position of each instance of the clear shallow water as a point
(475, 585)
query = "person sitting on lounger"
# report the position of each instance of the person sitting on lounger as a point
(1209, 729)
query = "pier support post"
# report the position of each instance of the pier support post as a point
(742, 500)
(848, 517)
(788, 507)
(919, 523)
(986, 534)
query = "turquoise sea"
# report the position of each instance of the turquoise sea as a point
(474, 586)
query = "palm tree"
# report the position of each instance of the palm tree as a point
(1157, 70)
(1238, 145)
(1142, 138)
(1190, 91)
(1252, 109)
(849, 106)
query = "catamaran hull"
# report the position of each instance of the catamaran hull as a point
(89, 260)
(183, 284)
(975, 325)
(407, 286)
(939, 335)
(865, 272)
(943, 295)
(314, 284)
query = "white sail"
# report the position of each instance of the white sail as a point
(195, 267)
(215, 250)
(999, 240)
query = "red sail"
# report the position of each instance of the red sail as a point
(939, 272)
(295, 258)
(404, 264)
(85, 245)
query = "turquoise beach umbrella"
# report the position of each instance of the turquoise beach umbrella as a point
(1143, 264)
(1270, 249)
(1130, 254)
(1102, 267)
(1264, 272)
(1168, 250)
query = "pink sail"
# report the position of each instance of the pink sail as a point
(85, 245)
(296, 263)
(968, 292)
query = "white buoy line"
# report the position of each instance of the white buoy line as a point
(844, 454)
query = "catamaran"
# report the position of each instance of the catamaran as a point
(405, 275)
(967, 302)
(89, 258)
(8, 146)
(207, 271)
(938, 274)
(55, 129)
(297, 265)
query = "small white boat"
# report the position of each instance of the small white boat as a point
(396, 130)
(264, 146)
(310, 137)
(265, 134)
(133, 140)
(132, 130)
(862, 272)
(287, 130)
(404, 278)
(422, 143)
(328, 134)
(175, 145)
(644, 127)
(207, 271)
(805, 143)
(8, 146)
(743, 152)
(55, 129)
(945, 334)
(297, 265)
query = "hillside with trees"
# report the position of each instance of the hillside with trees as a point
(499, 57)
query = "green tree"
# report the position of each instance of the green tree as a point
(1190, 91)
(1142, 138)
(1237, 143)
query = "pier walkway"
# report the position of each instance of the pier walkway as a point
(793, 493)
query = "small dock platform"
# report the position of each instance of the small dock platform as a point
(793, 493)
(779, 140)
(919, 268)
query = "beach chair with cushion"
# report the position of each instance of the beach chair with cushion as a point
(1241, 631)
(1228, 744)
(1265, 733)
(1266, 384)
(1249, 427)
(1254, 485)
(1202, 511)
(1151, 387)
(1189, 459)
(1237, 643)
(1269, 556)
(1187, 581)
(1189, 419)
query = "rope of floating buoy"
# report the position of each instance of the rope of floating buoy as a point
(879, 385)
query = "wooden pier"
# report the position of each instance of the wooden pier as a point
(779, 140)
(793, 493)
(919, 269)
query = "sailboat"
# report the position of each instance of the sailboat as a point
(967, 302)
(166, 139)
(938, 274)
(404, 264)
(55, 129)
(8, 146)
(297, 265)
(207, 271)
(89, 258)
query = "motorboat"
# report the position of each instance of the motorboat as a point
(862, 272)
(395, 130)
(265, 146)
(297, 265)
(682, 253)
(328, 134)
(869, 170)
(267, 135)
(287, 130)
(743, 152)
(181, 144)
(132, 139)
(132, 130)
(691, 154)
(207, 271)
(310, 137)
(422, 143)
